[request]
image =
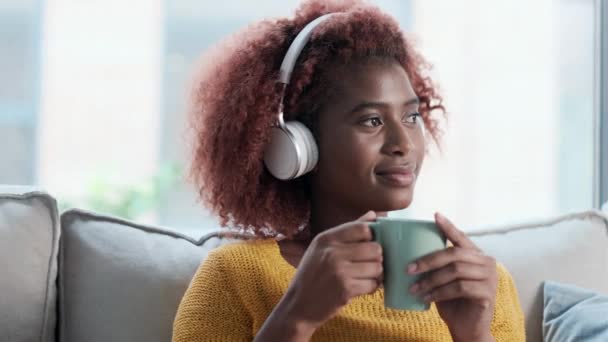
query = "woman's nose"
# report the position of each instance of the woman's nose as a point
(401, 140)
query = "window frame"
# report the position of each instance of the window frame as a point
(601, 139)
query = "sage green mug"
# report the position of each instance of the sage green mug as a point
(404, 241)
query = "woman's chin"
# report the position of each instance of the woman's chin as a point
(392, 203)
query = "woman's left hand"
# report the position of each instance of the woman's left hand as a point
(462, 282)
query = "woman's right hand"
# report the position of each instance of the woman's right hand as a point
(339, 264)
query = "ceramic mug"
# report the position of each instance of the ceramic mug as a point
(404, 241)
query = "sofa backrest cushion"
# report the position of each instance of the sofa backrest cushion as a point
(29, 238)
(572, 249)
(120, 281)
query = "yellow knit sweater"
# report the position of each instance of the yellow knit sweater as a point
(237, 287)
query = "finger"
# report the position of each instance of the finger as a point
(363, 286)
(347, 233)
(363, 270)
(469, 289)
(368, 216)
(455, 271)
(444, 257)
(457, 236)
(362, 251)
(351, 231)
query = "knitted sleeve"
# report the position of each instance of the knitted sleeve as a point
(508, 322)
(211, 309)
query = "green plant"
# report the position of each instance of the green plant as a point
(126, 200)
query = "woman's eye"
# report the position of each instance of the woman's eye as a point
(372, 122)
(413, 118)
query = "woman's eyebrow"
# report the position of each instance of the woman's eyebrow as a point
(412, 101)
(367, 104)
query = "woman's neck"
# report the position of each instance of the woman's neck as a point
(326, 214)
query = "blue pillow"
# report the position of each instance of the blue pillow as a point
(572, 313)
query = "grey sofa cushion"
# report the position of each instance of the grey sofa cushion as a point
(571, 249)
(121, 281)
(29, 238)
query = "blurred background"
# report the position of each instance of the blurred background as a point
(93, 97)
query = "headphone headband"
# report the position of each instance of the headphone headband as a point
(289, 61)
(292, 150)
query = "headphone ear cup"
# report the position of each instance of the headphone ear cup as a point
(299, 144)
(281, 154)
(307, 144)
(291, 152)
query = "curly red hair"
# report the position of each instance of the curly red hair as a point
(236, 99)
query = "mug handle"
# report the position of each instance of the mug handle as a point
(375, 231)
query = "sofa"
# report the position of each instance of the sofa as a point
(82, 276)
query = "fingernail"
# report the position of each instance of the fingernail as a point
(411, 268)
(427, 298)
(414, 288)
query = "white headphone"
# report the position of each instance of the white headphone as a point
(292, 150)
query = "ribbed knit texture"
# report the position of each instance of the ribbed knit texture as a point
(237, 286)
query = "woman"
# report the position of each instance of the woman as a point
(314, 273)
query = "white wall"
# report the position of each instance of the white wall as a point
(100, 91)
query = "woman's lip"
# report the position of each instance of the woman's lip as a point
(401, 169)
(397, 179)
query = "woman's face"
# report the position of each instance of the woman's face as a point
(370, 137)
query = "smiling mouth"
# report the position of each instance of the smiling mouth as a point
(397, 175)
(397, 179)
